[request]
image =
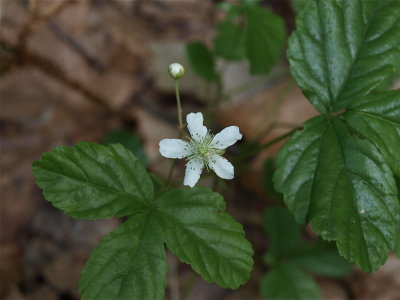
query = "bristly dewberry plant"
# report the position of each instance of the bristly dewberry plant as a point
(92, 181)
(338, 173)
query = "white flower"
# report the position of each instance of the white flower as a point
(176, 70)
(202, 149)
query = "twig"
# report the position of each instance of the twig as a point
(19, 55)
(54, 71)
(33, 23)
(77, 47)
(258, 148)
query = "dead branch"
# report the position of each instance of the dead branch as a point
(74, 45)
(54, 71)
(35, 20)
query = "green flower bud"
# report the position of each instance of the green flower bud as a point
(176, 70)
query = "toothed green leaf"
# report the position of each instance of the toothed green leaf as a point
(229, 42)
(377, 118)
(201, 60)
(344, 48)
(200, 233)
(129, 263)
(91, 181)
(264, 39)
(343, 186)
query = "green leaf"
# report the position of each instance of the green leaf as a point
(229, 42)
(199, 233)
(91, 181)
(341, 184)
(158, 183)
(264, 39)
(127, 139)
(287, 282)
(201, 60)
(283, 233)
(94, 181)
(129, 263)
(342, 49)
(377, 117)
(299, 5)
(320, 258)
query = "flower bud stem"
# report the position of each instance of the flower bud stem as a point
(179, 107)
(180, 127)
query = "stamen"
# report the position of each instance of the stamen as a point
(203, 149)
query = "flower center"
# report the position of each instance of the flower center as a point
(203, 149)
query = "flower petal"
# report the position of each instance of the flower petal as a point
(227, 137)
(193, 171)
(221, 166)
(174, 148)
(195, 125)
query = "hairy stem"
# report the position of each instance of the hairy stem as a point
(274, 141)
(171, 170)
(179, 107)
(180, 126)
(255, 149)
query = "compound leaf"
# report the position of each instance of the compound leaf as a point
(199, 233)
(344, 48)
(264, 38)
(92, 181)
(129, 263)
(287, 282)
(341, 184)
